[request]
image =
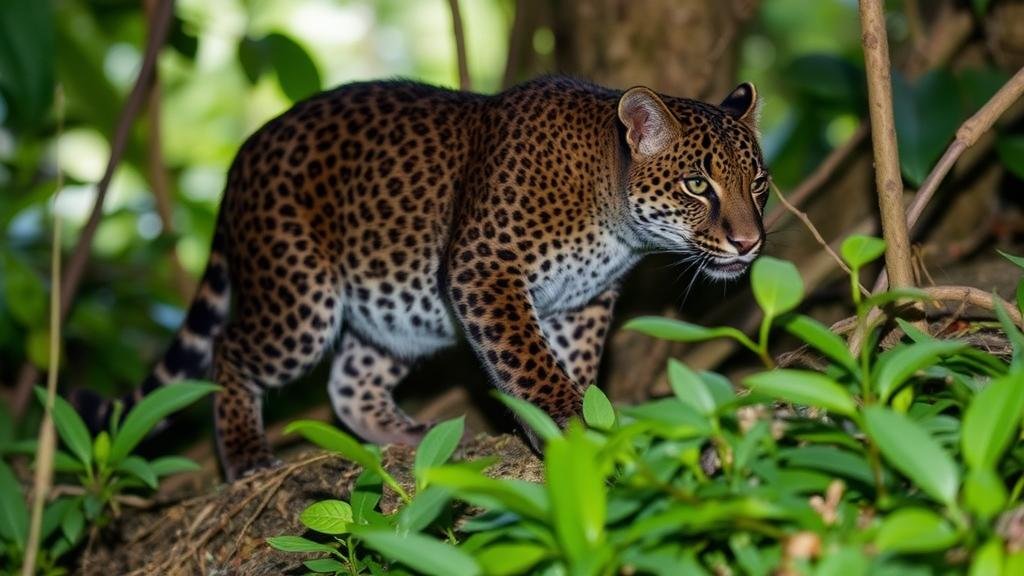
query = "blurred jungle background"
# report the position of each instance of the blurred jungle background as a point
(227, 66)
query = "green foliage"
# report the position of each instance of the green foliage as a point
(917, 439)
(103, 467)
(926, 119)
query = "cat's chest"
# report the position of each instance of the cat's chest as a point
(579, 273)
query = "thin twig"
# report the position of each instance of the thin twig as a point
(888, 181)
(47, 437)
(822, 174)
(814, 232)
(465, 82)
(75, 268)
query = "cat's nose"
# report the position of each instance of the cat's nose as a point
(744, 244)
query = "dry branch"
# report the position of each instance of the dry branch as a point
(72, 277)
(888, 181)
(465, 82)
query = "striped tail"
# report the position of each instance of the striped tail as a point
(190, 354)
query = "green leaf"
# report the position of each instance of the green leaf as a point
(821, 338)
(13, 512)
(914, 530)
(425, 507)
(139, 468)
(73, 522)
(511, 559)
(847, 561)
(777, 285)
(330, 438)
(679, 331)
(828, 80)
(803, 387)
(926, 119)
(254, 57)
(896, 366)
(690, 388)
(910, 449)
(984, 492)
(520, 497)
(828, 459)
(683, 419)
(167, 465)
(438, 445)
(577, 494)
(53, 515)
(992, 420)
(1017, 260)
(296, 72)
(597, 409)
(327, 517)
(1011, 152)
(422, 553)
(27, 61)
(325, 565)
(879, 300)
(858, 250)
(532, 416)
(22, 285)
(101, 448)
(297, 544)
(988, 560)
(1013, 333)
(365, 496)
(151, 410)
(70, 426)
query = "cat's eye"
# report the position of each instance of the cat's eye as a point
(760, 184)
(696, 185)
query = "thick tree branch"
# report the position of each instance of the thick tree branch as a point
(888, 181)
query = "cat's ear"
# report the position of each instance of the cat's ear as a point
(650, 126)
(742, 104)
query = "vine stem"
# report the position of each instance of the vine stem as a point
(888, 180)
(47, 442)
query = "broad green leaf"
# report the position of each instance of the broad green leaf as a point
(992, 420)
(151, 410)
(1020, 296)
(13, 511)
(1011, 152)
(139, 468)
(847, 561)
(532, 416)
(438, 445)
(27, 61)
(365, 495)
(511, 558)
(297, 73)
(167, 465)
(523, 498)
(253, 57)
(21, 284)
(828, 459)
(777, 285)
(330, 438)
(679, 331)
(53, 515)
(926, 119)
(425, 507)
(577, 494)
(803, 387)
(597, 409)
(818, 336)
(909, 449)
(328, 517)
(297, 544)
(827, 79)
(988, 560)
(422, 553)
(690, 388)
(70, 426)
(896, 366)
(984, 492)
(683, 419)
(325, 566)
(858, 250)
(1013, 333)
(914, 530)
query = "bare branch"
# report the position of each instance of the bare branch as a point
(888, 181)
(465, 82)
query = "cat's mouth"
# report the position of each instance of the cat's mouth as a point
(727, 267)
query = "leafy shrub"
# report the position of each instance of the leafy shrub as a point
(893, 462)
(103, 468)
